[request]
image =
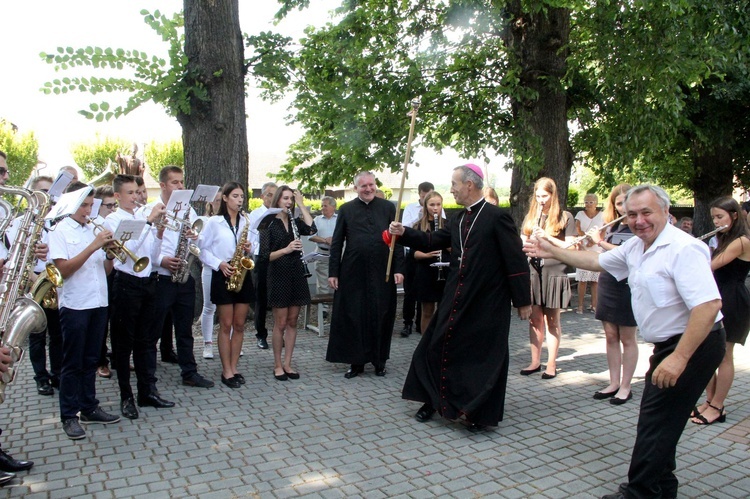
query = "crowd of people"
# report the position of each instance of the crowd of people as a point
(461, 275)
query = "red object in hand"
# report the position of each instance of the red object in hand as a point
(387, 237)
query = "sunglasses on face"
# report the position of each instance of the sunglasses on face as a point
(3, 172)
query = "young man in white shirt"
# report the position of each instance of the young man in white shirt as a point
(678, 308)
(132, 308)
(75, 248)
(174, 297)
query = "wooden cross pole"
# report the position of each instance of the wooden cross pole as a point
(414, 108)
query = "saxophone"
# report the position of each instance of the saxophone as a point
(21, 315)
(186, 251)
(240, 262)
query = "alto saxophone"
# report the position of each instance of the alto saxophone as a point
(20, 315)
(240, 262)
(186, 251)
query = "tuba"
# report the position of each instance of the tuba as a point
(20, 315)
(105, 177)
(240, 262)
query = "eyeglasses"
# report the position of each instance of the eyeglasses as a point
(110, 206)
(3, 171)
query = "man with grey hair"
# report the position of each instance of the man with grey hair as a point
(260, 271)
(364, 304)
(460, 367)
(325, 222)
(677, 307)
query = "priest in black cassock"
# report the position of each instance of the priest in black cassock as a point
(460, 367)
(364, 304)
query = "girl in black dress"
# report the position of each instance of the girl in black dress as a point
(730, 262)
(287, 283)
(429, 281)
(614, 308)
(219, 241)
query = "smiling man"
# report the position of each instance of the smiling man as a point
(364, 304)
(677, 307)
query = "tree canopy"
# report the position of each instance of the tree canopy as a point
(22, 150)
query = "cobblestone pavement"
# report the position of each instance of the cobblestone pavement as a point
(326, 436)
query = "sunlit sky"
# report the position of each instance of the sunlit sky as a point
(32, 27)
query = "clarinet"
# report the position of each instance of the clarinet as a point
(295, 231)
(440, 276)
(535, 262)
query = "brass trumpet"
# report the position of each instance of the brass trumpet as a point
(162, 222)
(121, 252)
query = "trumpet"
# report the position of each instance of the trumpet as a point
(121, 252)
(585, 236)
(712, 233)
(162, 222)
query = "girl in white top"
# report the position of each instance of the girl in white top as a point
(585, 220)
(219, 242)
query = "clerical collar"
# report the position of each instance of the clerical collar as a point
(468, 208)
(366, 202)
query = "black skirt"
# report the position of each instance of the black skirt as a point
(613, 302)
(220, 295)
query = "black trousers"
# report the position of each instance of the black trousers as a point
(261, 297)
(179, 300)
(663, 415)
(82, 336)
(410, 292)
(38, 347)
(132, 315)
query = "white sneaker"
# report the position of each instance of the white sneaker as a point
(242, 353)
(208, 351)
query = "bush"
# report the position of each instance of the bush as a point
(22, 150)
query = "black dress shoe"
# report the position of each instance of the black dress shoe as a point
(240, 378)
(291, 374)
(380, 371)
(424, 413)
(354, 371)
(406, 332)
(127, 408)
(549, 376)
(526, 372)
(6, 477)
(605, 395)
(262, 344)
(169, 357)
(476, 428)
(619, 401)
(232, 382)
(10, 465)
(154, 400)
(44, 388)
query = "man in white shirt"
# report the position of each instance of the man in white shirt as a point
(677, 306)
(133, 304)
(175, 297)
(8, 465)
(267, 191)
(325, 222)
(75, 247)
(412, 214)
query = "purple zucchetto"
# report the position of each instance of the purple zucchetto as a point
(475, 169)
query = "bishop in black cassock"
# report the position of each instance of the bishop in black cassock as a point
(364, 304)
(460, 367)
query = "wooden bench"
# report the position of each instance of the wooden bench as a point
(317, 299)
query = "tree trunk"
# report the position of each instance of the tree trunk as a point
(714, 177)
(538, 43)
(214, 134)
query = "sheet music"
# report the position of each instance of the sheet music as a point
(69, 203)
(204, 193)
